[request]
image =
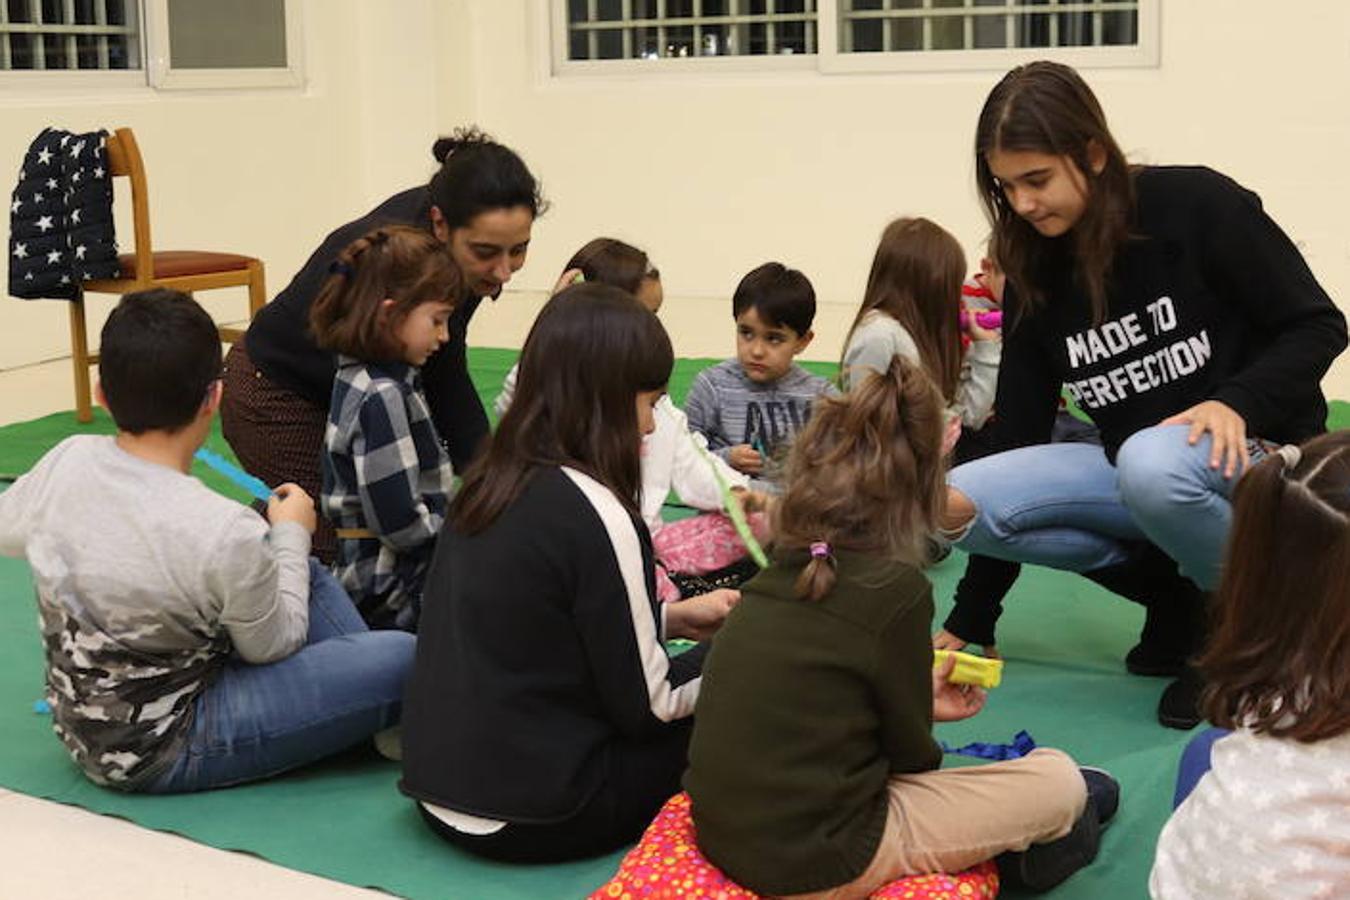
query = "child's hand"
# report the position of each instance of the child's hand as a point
(945, 640)
(290, 503)
(751, 501)
(744, 458)
(698, 618)
(953, 702)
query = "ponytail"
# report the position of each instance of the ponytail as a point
(865, 475)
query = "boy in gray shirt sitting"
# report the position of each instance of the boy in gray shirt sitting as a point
(188, 644)
(750, 408)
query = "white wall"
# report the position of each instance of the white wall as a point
(800, 167)
(264, 172)
(713, 174)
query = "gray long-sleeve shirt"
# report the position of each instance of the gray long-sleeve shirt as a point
(145, 580)
(729, 409)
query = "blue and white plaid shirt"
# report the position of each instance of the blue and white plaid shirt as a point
(384, 471)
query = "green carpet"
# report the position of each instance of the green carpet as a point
(344, 819)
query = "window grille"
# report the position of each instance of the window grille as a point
(661, 29)
(69, 34)
(882, 26)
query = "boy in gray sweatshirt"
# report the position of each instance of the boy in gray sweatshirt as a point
(750, 408)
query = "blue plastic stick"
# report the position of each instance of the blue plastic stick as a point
(246, 481)
(42, 708)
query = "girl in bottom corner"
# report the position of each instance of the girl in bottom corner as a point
(1269, 817)
(546, 720)
(813, 769)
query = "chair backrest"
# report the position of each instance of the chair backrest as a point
(124, 161)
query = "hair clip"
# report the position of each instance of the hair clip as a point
(1291, 455)
(820, 550)
(338, 267)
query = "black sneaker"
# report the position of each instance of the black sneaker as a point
(1179, 706)
(1154, 662)
(1103, 792)
(1042, 866)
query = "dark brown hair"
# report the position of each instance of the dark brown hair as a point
(159, 354)
(478, 174)
(781, 296)
(611, 261)
(916, 279)
(590, 353)
(866, 474)
(399, 263)
(1278, 661)
(1046, 107)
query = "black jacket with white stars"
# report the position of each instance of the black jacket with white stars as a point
(60, 217)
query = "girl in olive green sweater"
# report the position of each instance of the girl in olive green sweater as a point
(813, 767)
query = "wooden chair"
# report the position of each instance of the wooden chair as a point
(184, 270)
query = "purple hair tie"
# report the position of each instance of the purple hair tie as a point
(820, 550)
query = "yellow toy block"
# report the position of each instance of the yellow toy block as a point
(971, 669)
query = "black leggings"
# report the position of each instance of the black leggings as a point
(639, 779)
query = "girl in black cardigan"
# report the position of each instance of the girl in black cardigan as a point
(544, 720)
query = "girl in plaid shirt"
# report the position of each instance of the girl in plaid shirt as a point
(386, 475)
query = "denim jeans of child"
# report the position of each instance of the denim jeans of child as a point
(1065, 506)
(253, 721)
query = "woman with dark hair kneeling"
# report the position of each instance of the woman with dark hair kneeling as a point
(545, 720)
(480, 205)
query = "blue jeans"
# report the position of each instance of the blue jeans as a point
(1065, 506)
(252, 722)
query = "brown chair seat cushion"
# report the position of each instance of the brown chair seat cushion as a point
(176, 263)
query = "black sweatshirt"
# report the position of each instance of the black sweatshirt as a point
(281, 346)
(1208, 300)
(539, 647)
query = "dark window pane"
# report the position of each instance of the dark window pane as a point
(991, 31)
(714, 41)
(18, 11)
(679, 9)
(21, 51)
(949, 33)
(84, 12)
(680, 41)
(608, 10)
(119, 56)
(867, 35)
(644, 43)
(1075, 29)
(1120, 28)
(86, 51)
(1033, 30)
(907, 34)
(609, 44)
(53, 13)
(54, 46)
(715, 8)
(117, 12)
(576, 45)
(576, 11)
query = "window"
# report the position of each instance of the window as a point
(177, 43)
(871, 26)
(593, 36)
(679, 29)
(39, 35)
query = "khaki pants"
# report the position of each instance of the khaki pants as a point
(950, 819)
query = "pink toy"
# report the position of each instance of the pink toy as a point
(991, 320)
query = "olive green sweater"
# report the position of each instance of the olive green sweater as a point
(806, 709)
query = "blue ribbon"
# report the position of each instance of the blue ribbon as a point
(246, 481)
(1022, 744)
